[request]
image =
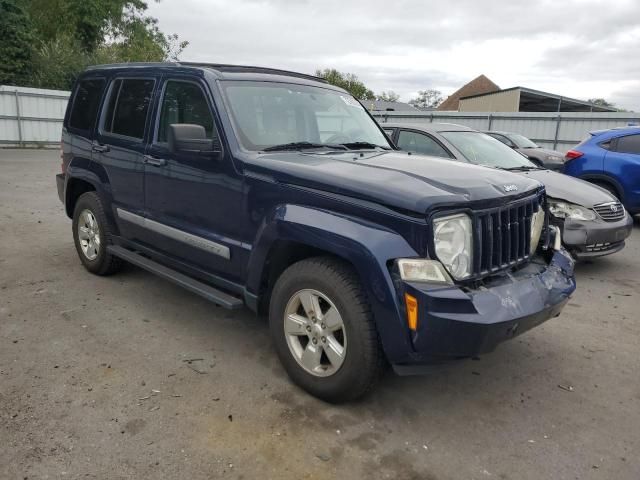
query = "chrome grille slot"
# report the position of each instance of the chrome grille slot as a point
(503, 236)
(610, 212)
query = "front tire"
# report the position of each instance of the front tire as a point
(323, 330)
(91, 234)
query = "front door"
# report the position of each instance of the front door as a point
(193, 202)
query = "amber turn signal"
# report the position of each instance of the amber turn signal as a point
(412, 311)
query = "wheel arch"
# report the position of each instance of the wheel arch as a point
(83, 176)
(603, 178)
(292, 233)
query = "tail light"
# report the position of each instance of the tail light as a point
(572, 155)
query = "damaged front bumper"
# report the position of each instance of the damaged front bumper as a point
(456, 322)
(585, 239)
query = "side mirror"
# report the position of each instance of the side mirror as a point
(192, 139)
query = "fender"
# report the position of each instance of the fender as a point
(93, 173)
(365, 245)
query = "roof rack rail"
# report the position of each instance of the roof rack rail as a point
(215, 66)
(251, 69)
(130, 64)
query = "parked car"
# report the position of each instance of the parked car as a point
(611, 160)
(592, 221)
(278, 191)
(543, 157)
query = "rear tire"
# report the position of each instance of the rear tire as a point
(91, 235)
(339, 320)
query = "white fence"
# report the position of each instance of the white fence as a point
(31, 116)
(559, 131)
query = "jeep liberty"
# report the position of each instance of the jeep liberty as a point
(278, 191)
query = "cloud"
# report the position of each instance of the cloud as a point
(579, 48)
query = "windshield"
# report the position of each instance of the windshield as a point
(283, 114)
(521, 142)
(485, 150)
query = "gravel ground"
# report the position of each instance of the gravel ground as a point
(132, 377)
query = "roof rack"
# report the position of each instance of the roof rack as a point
(130, 64)
(221, 67)
(251, 69)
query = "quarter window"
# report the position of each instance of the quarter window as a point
(629, 144)
(128, 106)
(85, 104)
(419, 143)
(184, 102)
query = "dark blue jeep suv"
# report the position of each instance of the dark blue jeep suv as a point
(275, 190)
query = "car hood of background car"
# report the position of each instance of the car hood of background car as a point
(564, 187)
(542, 152)
(414, 183)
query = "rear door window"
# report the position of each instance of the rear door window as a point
(86, 102)
(628, 144)
(420, 143)
(128, 106)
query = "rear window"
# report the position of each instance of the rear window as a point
(128, 106)
(85, 105)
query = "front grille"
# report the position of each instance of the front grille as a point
(502, 236)
(610, 212)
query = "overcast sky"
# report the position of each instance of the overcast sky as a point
(576, 48)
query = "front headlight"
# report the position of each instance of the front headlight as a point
(562, 209)
(453, 241)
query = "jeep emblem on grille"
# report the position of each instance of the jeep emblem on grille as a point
(614, 208)
(510, 188)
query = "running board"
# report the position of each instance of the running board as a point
(212, 294)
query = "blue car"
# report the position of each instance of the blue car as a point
(610, 159)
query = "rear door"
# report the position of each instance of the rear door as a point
(121, 141)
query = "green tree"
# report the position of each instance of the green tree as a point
(601, 102)
(348, 81)
(72, 34)
(16, 34)
(389, 96)
(427, 99)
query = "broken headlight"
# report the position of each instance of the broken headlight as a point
(453, 242)
(560, 209)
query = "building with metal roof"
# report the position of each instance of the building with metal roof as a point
(522, 99)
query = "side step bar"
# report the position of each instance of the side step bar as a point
(212, 294)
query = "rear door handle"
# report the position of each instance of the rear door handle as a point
(96, 147)
(153, 161)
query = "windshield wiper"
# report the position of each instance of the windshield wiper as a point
(362, 145)
(522, 168)
(302, 146)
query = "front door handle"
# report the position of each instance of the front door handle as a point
(155, 162)
(96, 147)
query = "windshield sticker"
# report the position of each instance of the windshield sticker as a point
(352, 102)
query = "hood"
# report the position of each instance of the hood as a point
(574, 190)
(414, 183)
